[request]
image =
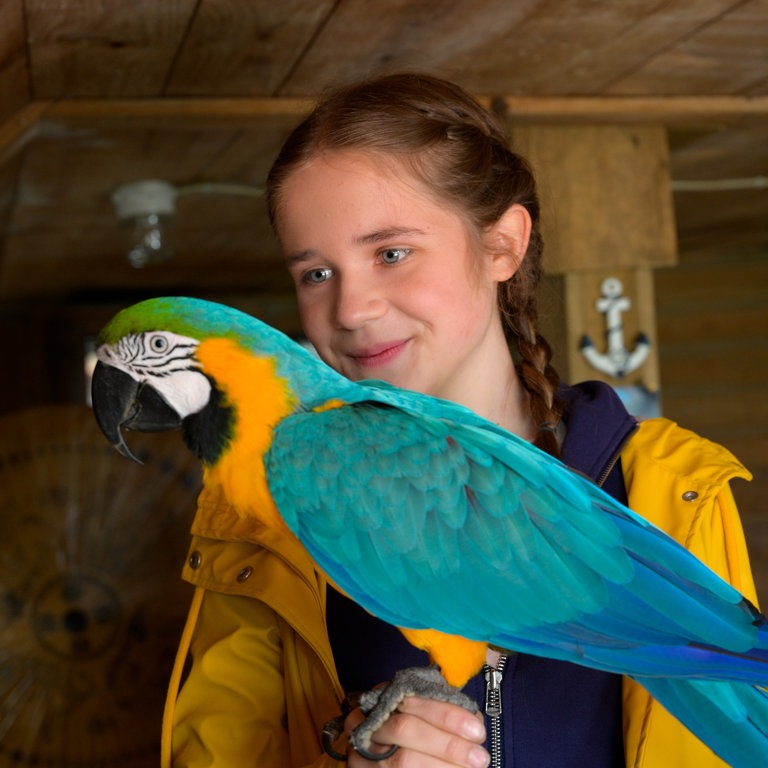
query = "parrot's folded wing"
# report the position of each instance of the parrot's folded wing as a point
(432, 524)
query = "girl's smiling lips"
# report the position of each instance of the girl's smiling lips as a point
(379, 354)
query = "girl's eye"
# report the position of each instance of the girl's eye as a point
(393, 255)
(319, 275)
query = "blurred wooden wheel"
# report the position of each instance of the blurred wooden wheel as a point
(91, 601)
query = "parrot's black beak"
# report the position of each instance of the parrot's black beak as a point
(119, 401)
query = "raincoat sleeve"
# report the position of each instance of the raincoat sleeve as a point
(233, 709)
(680, 482)
(254, 679)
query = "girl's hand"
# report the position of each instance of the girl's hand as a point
(430, 734)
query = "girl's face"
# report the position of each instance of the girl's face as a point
(389, 283)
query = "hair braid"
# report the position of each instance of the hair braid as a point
(538, 376)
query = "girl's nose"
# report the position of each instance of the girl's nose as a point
(357, 302)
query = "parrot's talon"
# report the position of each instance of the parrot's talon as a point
(330, 733)
(376, 758)
(333, 729)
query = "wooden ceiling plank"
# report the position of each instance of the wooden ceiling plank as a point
(85, 48)
(14, 72)
(90, 167)
(248, 157)
(727, 56)
(238, 47)
(9, 173)
(599, 52)
(722, 220)
(184, 108)
(67, 220)
(736, 153)
(579, 49)
(544, 48)
(432, 35)
(545, 62)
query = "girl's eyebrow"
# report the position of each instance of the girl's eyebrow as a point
(300, 257)
(378, 236)
(387, 234)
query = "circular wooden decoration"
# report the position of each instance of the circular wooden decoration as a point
(91, 600)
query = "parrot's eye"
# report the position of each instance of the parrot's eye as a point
(158, 343)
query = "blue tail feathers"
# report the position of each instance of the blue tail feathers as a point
(732, 718)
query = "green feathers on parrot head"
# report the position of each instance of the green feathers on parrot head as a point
(186, 363)
(194, 318)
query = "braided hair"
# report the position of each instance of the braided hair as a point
(459, 151)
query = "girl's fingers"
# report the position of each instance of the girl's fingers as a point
(430, 734)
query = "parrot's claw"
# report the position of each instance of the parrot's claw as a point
(331, 731)
(376, 757)
(379, 703)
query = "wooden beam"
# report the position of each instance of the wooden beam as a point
(605, 194)
(176, 108)
(20, 127)
(519, 109)
(607, 221)
(634, 109)
(177, 114)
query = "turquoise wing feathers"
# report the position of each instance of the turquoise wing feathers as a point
(430, 523)
(472, 534)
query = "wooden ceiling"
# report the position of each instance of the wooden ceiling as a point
(98, 93)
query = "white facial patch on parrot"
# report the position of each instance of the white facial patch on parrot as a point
(166, 361)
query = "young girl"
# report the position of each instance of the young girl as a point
(411, 231)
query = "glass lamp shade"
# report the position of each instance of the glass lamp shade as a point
(150, 243)
(146, 208)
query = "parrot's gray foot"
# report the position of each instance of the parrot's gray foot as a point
(380, 703)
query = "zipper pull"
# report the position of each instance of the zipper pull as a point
(493, 691)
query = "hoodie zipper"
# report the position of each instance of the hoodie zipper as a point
(493, 710)
(614, 458)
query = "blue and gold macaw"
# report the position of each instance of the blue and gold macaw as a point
(437, 521)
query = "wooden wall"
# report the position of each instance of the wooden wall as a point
(704, 307)
(712, 314)
(712, 332)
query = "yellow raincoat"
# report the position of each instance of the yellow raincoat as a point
(262, 680)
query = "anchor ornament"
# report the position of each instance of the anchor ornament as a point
(618, 361)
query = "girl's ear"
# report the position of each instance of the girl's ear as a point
(508, 241)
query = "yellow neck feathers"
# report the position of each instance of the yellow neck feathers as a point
(250, 385)
(459, 659)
